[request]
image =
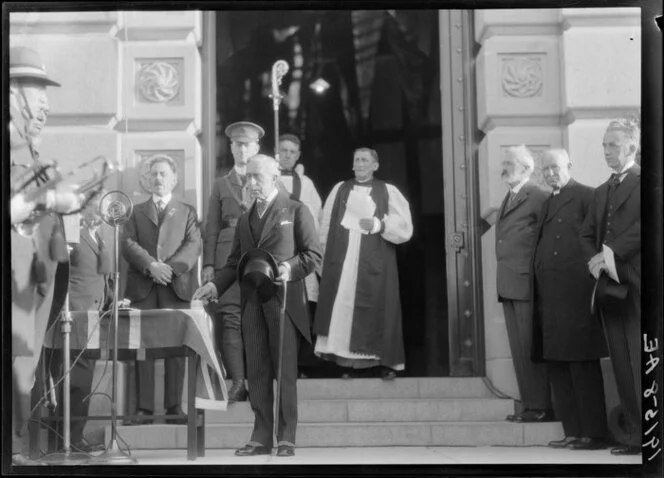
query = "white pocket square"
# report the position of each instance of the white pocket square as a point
(283, 223)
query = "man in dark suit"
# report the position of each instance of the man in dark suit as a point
(161, 243)
(228, 202)
(285, 229)
(567, 337)
(516, 225)
(90, 267)
(611, 243)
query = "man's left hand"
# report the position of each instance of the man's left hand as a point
(367, 224)
(596, 265)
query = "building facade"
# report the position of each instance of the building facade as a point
(139, 84)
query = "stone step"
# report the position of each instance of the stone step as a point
(365, 388)
(380, 410)
(358, 434)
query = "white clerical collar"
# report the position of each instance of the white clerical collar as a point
(165, 199)
(518, 187)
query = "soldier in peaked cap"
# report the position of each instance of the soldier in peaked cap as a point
(39, 254)
(229, 199)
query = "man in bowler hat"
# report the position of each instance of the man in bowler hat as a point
(228, 201)
(285, 229)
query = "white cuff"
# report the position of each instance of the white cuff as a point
(376, 226)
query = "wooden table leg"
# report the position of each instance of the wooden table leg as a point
(200, 431)
(192, 446)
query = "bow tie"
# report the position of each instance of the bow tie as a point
(287, 172)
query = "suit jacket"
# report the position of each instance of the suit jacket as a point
(623, 218)
(563, 327)
(225, 209)
(175, 241)
(90, 265)
(516, 228)
(290, 236)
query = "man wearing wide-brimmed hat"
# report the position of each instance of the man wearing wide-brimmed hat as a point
(227, 203)
(38, 253)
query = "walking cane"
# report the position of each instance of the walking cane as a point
(279, 69)
(282, 319)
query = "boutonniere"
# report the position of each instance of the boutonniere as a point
(171, 212)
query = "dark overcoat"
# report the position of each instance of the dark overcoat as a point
(564, 328)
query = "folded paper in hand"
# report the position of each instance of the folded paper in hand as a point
(610, 261)
(358, 206)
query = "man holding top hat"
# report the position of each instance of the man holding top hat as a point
(39, 251)
(275, 240)
(228, 201)
(611, 243)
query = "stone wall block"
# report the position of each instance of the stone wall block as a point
(87, 71)
(518, 81)
(160, 26)
(183, 148)
(540, 21)
(64, 22)
(71, 147)
(162, 87)
(600, 17)
(609, 80)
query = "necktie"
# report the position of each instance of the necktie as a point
(511, 197)
(160, 206)
(261, 206)
(614, 182)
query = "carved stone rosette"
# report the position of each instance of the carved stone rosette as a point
(522, 77)
(158, 82)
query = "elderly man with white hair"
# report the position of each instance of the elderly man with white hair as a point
(516, 226)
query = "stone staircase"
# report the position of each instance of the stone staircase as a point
(369, 412)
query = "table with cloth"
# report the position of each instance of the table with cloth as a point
(152, 334)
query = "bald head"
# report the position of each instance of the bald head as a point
(262, 175)
(556, 167)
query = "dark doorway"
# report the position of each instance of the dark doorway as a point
(381, 72)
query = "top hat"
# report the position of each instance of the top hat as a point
(244, 131)
(25, 62)
(256, 273)
(605, 291)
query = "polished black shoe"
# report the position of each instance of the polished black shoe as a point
(348, 375)
(626, 450)
(175, 421)
(285, 450)
(238, 392)
(587, 443)
(564, 443)
(388, 374)
(534, 416)
(252, 450)
(511, 417)
(140, 419)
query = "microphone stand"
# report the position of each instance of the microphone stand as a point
(113, 454)
(66, 457)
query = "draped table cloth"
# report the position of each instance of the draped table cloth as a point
(144, 334)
